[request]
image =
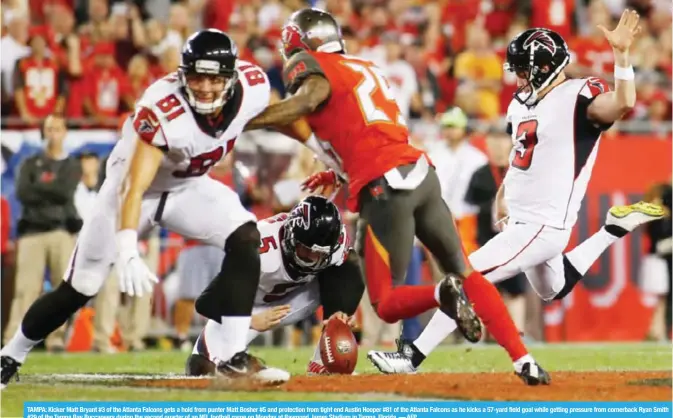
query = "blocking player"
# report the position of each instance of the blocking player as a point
(556, 125)
(349, 105)
(183, 125)
(305, 262)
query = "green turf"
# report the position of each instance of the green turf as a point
(464, 358)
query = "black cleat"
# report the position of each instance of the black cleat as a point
(245, 366)
(454, 303)
(532, 375)
(10, 368)
(198, 365)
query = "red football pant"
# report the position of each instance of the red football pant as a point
(396, 303)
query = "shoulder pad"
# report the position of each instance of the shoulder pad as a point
(163, 112)
(256, 88)
(594, 86)
(299, 67)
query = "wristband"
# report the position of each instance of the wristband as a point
(127, 240)
(626, 74)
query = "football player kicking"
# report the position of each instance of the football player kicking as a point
(348, 104)
(305, 262)
(556, 124)
(183, 125)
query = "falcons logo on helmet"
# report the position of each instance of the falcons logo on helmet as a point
(293, 39)
(303, 215)
(540, 39)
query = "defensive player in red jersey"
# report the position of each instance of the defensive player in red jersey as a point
(348, 104)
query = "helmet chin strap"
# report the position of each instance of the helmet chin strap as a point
(533, 96)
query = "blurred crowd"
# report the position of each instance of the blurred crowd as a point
(90, 59)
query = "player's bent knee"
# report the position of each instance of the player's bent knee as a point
(385, 311)
(198, 365)
(85, 282)
(232, 291)
(244, 240)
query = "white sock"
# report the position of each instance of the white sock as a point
(585, 254)
(523, 360)
(316, 354)
(18, 347)
(228, 338)
(439, 327)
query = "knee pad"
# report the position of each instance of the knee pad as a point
(86, 282)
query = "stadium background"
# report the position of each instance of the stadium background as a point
(455, 48)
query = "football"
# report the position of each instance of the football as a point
(338, 348)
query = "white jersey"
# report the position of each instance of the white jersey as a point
(555, 148)
(275, 283)
(190, 144)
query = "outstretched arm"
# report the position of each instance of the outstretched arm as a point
(609, 107)
(314, 91)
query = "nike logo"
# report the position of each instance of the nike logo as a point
(240, 370)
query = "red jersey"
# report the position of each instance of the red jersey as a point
(594, 53)
(360, 125)
(41, 82)
(106, 87)
(556, 15)
(5, 226)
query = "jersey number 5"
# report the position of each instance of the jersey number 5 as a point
(376, 107)
(526, 134)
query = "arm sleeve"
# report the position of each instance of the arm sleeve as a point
(299, 68)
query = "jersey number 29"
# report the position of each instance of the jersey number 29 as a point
(375, 108)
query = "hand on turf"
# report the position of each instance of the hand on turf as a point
(348, 320)
(269, 318)
(135, 277)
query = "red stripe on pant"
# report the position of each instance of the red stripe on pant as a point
(392, 304)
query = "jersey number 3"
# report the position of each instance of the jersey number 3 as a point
(376, 107)
(526, 134)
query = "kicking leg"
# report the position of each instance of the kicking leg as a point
(620, 221)
(502, 257)
(444, 243)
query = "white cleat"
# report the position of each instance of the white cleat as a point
(629, 217)
(398, 362)
(272, 376)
